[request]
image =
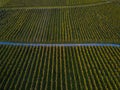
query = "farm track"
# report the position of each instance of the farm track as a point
(58, 7)
(64, 45)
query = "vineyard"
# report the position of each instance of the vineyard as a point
(59, 44)
(60, 68)
(98, 24)
(38, 3)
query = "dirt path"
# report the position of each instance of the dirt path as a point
(69, 44)
(60, 7)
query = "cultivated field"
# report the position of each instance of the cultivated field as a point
(38, 3)
(60, 68)
(38, 48)
(98, 24)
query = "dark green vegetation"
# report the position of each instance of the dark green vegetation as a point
(59, 68)
(98, 24)
(37, 3)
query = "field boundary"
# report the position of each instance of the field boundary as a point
(59, 7)
(69, 44)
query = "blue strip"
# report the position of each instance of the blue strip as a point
(70, 44)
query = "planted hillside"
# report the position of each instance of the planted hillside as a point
(48, 3)
(59, 44)
(98, 24)
(58, 68)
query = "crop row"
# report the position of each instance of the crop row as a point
(3, 2)
(59, 68)
(77, 25)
